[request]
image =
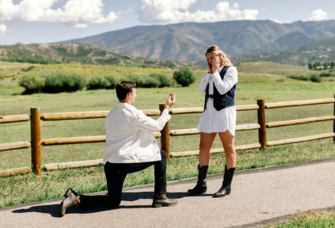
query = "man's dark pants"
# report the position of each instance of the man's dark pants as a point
(115, 175)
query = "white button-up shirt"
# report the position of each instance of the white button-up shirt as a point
(129, 137)
(223, 86)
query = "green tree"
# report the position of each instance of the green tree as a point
(325, 66)
(314, 66)
(332, 65)
(310, 66)
(184, 76)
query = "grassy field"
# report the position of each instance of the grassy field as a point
(251, 86)
(320, 219)
(4, 65)
(266, 67)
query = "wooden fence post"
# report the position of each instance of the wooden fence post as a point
(165, 137)
(261, 122)
(334, 122)
(35, 133)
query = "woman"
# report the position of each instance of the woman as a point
(219, 117)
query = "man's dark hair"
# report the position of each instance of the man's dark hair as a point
(123, 88)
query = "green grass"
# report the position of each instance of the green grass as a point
(14, 64)
(312, 219)
(267, 67)
(272, 88)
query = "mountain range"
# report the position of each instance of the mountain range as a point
(80, 54)
(188, 42)
(319, 51)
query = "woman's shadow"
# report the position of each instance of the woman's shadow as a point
(52, 209)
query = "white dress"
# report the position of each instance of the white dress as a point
(211, 120)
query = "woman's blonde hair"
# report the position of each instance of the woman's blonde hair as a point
(215, 50)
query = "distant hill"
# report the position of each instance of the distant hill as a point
(188, 42)
(81, 54)
(319, 51)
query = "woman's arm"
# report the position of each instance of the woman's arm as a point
(203, 83)
(229, 80)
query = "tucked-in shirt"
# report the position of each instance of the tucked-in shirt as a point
(129, 137)
(212, 120)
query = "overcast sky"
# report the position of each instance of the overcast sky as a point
(43, 21)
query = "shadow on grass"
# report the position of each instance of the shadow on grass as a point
(126, 196)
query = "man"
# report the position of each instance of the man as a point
(130, 147)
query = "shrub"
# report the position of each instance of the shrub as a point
(56, 82)
(111, 82)
(163, 79)
(315, 78)
(32, 83)
(139, 80)
(327, 74)
(97, 82)
(184, 76)
(298, 76)
(73, 81)
(150, 82)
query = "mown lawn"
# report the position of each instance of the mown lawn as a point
(272, 88)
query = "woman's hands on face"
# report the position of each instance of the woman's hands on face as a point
(216, 64)
(171, 100)
(209, 65)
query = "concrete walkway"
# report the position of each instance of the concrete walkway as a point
(259, 196)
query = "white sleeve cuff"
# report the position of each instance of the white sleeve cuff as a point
(166, 113)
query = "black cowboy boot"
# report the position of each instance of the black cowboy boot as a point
(226, 185)
(201, 186)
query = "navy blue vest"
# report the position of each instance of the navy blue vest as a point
(221, 101)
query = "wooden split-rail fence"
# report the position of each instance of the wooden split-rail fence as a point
(36, 142)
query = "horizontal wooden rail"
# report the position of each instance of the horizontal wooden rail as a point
(247, 127)
(194, 131)
(246, 107)
(299, 121)
(177, 111)
(299, 103)
(79, 140)
(14, 118)
(215, 151)
(73, 140)
(301, 139)
(11, 172)
(86, 115)
(71, 165)
(14, 145)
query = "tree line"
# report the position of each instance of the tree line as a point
(320, 66)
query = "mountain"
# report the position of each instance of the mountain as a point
(81, 54)
(188, 42)
(319, 51)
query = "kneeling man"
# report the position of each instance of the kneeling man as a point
(130, 147)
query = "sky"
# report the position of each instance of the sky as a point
(47, 21)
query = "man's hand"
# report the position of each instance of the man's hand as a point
(216, 63)
(171, 100)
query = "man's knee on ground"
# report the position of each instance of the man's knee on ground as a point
(113, 203)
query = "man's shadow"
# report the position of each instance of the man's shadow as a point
(52, 209)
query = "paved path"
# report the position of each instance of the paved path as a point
(258, 196)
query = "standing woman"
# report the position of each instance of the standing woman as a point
(219, 117)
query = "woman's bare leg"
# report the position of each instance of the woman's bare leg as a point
(227, 140)
(206, 141)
